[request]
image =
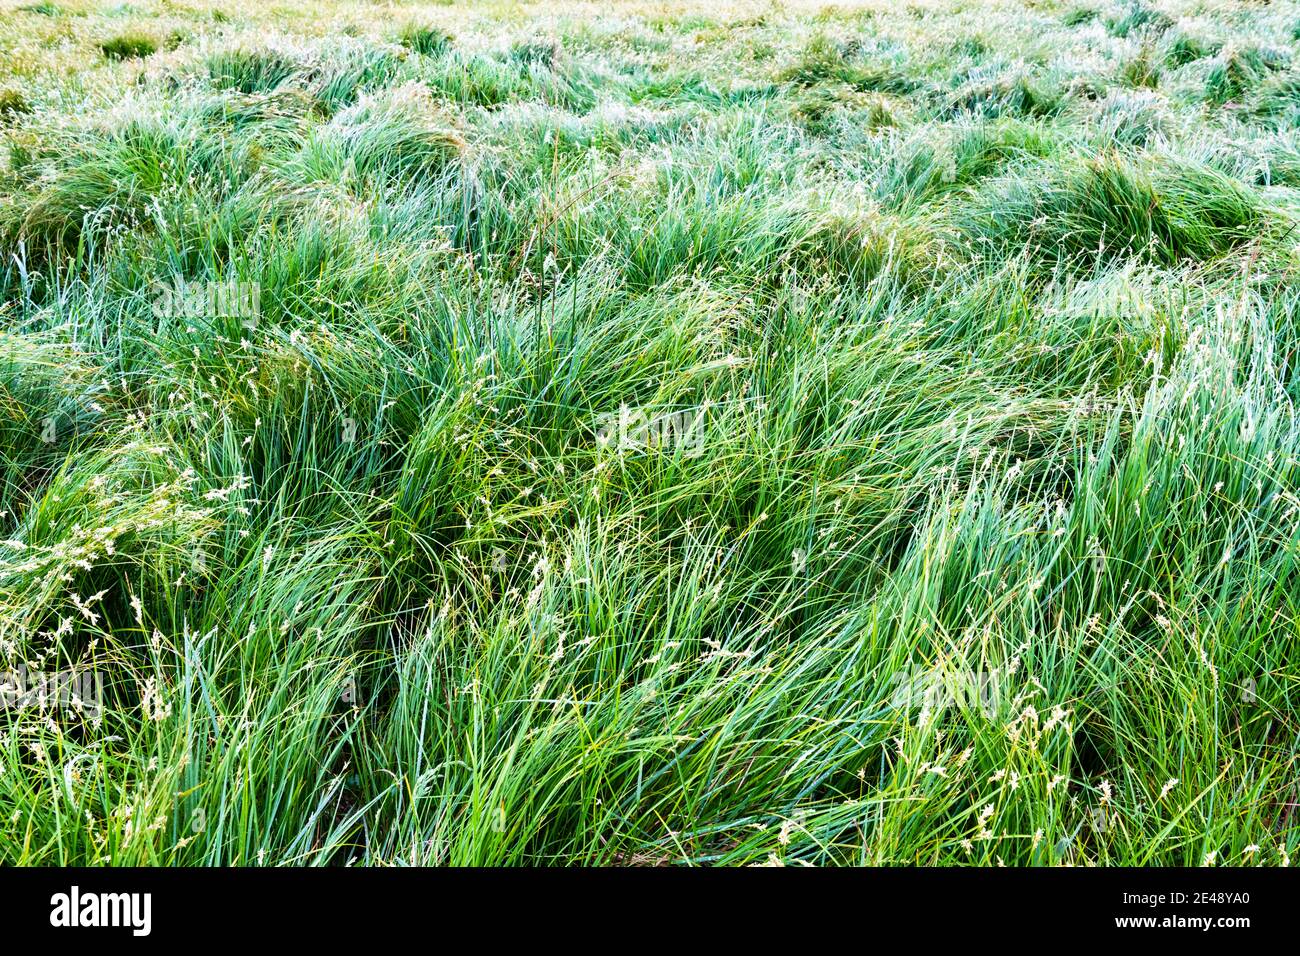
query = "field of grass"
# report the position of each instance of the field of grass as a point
(650, 433)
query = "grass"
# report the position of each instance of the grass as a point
(129, 46)
(981, 548)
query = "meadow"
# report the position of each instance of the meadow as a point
(650, 433)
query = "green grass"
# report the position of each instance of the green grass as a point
(984, 552)
(429, 41)
(129, 46)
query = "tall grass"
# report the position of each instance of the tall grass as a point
(984, 551)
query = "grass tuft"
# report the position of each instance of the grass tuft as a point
(1157, 210)
(129, 46)
(1235, 73)
(425, 40)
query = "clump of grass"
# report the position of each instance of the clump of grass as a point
(129, 46)
(13, 103)
(398, 132)
(425, 40)
(973, 47)
(102, 180)
(1077, 16)
(1136, 16)
(1134, 118)
(1182, 47)
(1278, 97)
(487, 80)
(249, 70)
(348, 74)
(819, 108)
(926, 165)
(1282, 164)
(49, 411)
(1142, 69)
(1155, 210)
(881, 112)
(823, 60)
(1011, 91)
(542, 51)
(1235, 73)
